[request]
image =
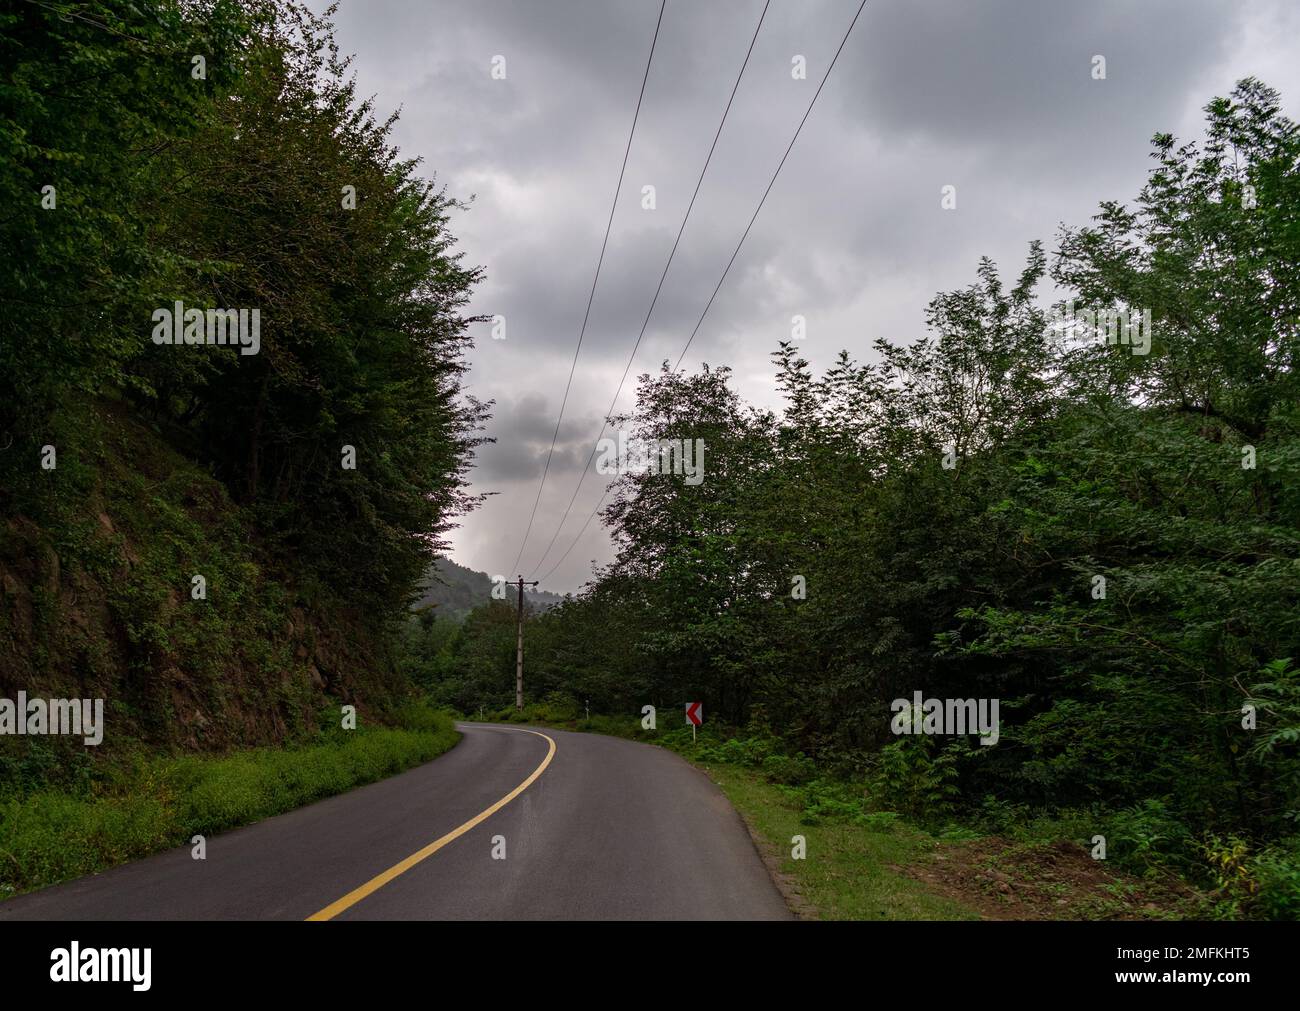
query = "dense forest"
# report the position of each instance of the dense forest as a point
(216, 539)
(1104, 536)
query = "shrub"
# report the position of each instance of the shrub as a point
(1146, 836)
(1277, 870)
(789, 770)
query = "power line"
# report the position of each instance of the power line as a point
(575, 541)
(586, 315)
(769, 186)
(660, 287)
(727, 270)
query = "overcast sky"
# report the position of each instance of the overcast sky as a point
(994, 97)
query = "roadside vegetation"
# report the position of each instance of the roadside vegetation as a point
(143, 803)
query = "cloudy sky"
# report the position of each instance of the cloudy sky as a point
(993, 97)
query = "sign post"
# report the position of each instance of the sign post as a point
(694, 716)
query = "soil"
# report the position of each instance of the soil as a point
(1003, 880)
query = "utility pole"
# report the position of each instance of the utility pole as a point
(519, 648)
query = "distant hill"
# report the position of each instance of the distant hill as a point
(456, 590)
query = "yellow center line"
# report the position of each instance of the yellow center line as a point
(379, 880)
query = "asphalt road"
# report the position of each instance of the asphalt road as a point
(604, 829)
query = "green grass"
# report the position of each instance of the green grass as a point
(153, 803)
(846, 873)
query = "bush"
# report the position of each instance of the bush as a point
(878, 821)
(1146, 836)
(1264, 885)
(792, 771)
(910, 776)
(1277, 870)
(557, 707)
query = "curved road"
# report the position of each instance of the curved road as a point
(603, 829)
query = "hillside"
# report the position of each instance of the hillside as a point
(97, 600)
(215, 540)
(455, 590)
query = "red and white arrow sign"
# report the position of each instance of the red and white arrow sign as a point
(695, 713)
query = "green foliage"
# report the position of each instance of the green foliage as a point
(1146, 836)
(879, 821)
(92, 94)
(917, 778)
(362, 335)
(1277, 871)
(1278, 698)
(221, 191)
(791, 770)
(105, 563)
(1263, 884)
(754, 752)
(130, 183)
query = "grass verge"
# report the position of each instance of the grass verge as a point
(848, 872)
(150, 803)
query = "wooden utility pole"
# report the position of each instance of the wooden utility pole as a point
(519, 647)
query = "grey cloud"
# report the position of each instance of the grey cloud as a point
(522, 429)
(1020, 70)
(994, 97)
